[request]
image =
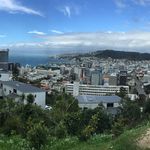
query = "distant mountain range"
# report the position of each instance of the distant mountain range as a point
(119, 55)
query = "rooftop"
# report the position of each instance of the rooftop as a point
(90, 99)
(23, 87)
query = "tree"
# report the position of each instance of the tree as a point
(73, 123)
(130, 111)
(60, 130)
(63, 105)
(22, 97)
(102, 120)
(13, 123)
(122, 92)
(30, 99)
(118, 127)
(147, 107)
(7, 109)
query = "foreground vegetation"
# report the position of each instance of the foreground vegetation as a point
(66, 126)
(126, 141)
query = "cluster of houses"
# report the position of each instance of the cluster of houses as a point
(15, 89)
(88, 96)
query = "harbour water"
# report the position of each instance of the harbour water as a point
(34, 60)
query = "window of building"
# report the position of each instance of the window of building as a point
(35, 95)
(110, 105)
(14, 91)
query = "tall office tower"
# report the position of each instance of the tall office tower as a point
(82, 75)
(62, 69)
(113, 79)
(77, 72)
(4, 56)
(122, 77)
(96, 77)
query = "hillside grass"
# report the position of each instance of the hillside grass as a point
(126, 141)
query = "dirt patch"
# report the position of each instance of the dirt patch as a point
(144, 140)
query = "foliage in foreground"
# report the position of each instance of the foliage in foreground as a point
(47, 129)
(126, 141)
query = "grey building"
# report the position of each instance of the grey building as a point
(113, 79)
(4, 58)
(110, 103)
(96, 77)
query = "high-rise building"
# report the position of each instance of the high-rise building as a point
(122, 77)
(113, 79)
(96, 77)
(4, 58)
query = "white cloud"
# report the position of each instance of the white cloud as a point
(57, 32)
(2, 35)
(66, 10)
(120, 4)
(129, 41)
(37, 32)
(142, 2)
(69, 10)
(12, 6)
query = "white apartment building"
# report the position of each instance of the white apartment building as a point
(99, 90)
(5, 76)
(36, 76)
(16, 89)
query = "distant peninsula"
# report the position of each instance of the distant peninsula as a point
(114, 54)
(121, 55)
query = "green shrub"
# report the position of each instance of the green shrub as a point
(14, 124)
(86, 133)
(117, 128)
(30, 99)
(38, 135)
(60, 130)
(73, 123)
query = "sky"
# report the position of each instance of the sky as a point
(45, 26)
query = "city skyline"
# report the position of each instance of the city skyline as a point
(63, 25)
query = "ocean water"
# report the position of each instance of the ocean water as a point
(34, 60)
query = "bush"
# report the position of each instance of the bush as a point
(13, 143)
(38, 135)
(73, 123)
(147, 107)
(14, 124)
(117, 128)
(30, 99)
(86, 133)
(130, 112)
(60, 130)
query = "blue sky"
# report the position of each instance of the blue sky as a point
(74, 25)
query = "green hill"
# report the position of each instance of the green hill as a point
(115, 54)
